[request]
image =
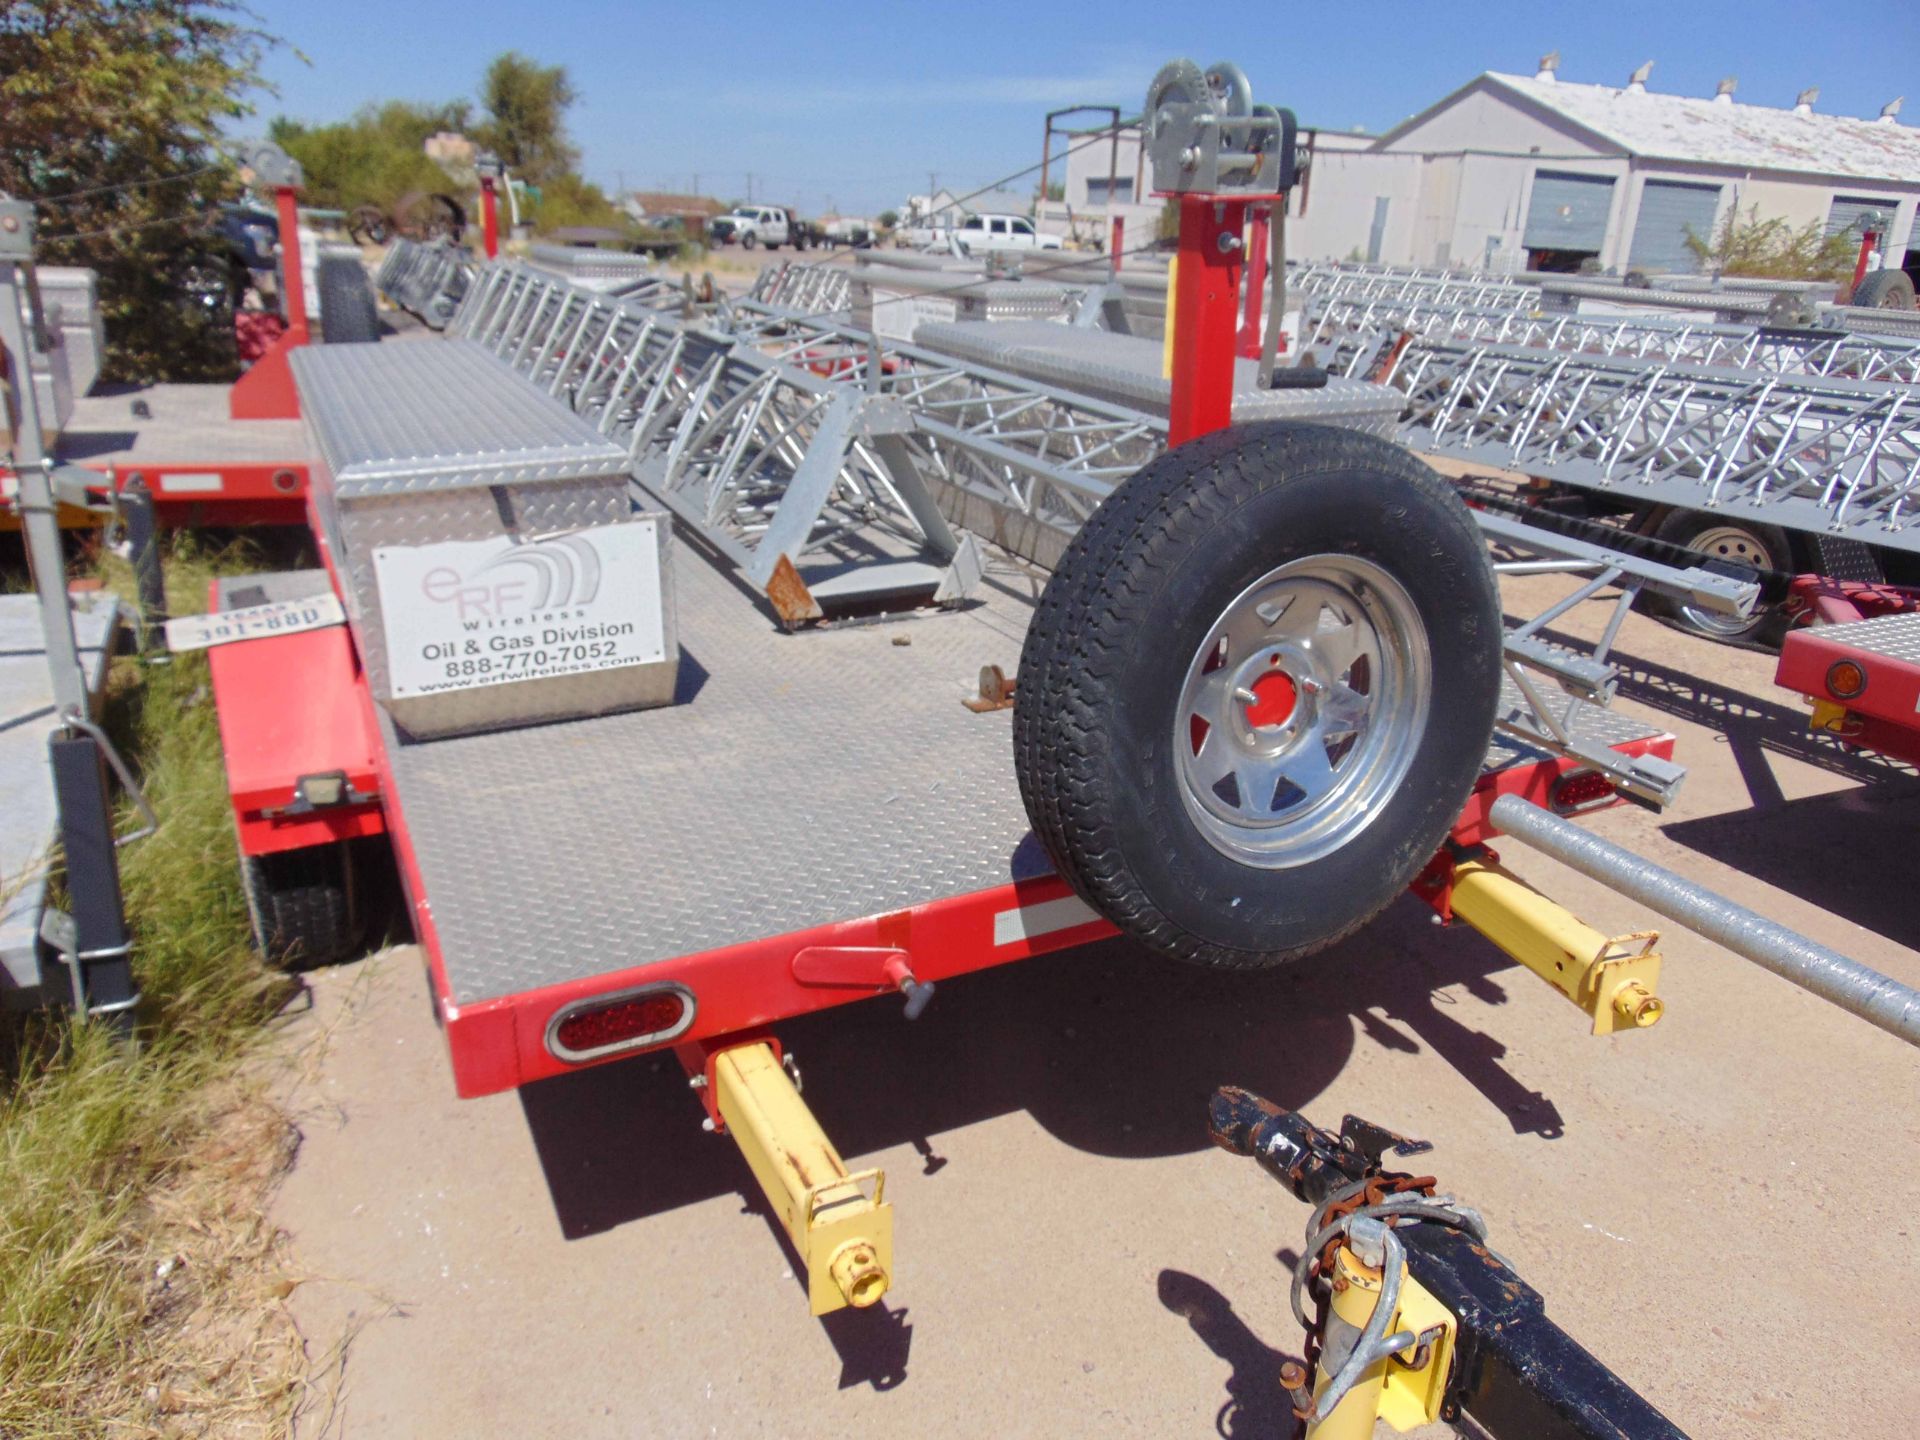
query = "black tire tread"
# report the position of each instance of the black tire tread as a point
(347, 312)
(1099, 596)
(302, 906)
(1887, 289)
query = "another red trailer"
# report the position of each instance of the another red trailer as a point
(1859, 664)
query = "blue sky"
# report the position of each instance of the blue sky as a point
(856, 102)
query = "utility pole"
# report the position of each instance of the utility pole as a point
(749, 187)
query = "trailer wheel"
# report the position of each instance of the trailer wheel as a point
(1885, 290)
(1257, 690)
(347, 312)
(303, 904)
(369, 225)
(1738, 542)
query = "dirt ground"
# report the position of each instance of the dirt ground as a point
(1720, 1207)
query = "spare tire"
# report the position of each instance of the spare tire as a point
(1257, 691)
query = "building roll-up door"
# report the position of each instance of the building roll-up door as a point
(1670, 210)
(1568, 212)
(1847, 209)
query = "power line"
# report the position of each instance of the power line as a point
(72, 195)
(1004, 180)
(126, 228)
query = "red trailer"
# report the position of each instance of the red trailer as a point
(816, 818)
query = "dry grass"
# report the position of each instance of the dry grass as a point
(141, 1290)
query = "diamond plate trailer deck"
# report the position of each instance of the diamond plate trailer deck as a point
(804, 791)
(201, 465)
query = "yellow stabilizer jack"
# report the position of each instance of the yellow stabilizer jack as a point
(1614, 979)
(1404, 1389)
(844, 1235)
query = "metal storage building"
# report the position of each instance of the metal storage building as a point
(1511, 171)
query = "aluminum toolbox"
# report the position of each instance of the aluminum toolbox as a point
(426, 443)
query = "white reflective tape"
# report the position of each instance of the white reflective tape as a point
(194, 484)
(1030, 922)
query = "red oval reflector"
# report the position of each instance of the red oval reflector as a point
(1581, 790)
(620, 1022)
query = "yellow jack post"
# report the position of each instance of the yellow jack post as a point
(843, 1234)
(1405, 1389)
(1828, 717)
(1615, 980)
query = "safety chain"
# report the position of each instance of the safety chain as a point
(1385, 1197)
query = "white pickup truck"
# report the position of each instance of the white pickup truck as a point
(1001, 232)
(751, 225)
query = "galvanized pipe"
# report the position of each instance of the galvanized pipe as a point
(1854, 987)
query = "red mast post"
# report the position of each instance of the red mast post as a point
(1216, 153)
(487, 164)
(266, 391)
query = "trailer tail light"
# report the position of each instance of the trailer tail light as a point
(625, 1020)
(1846, 680)
(1580, 790)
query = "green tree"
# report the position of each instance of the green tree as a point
(110, 119)
(376, 157)
(526, 105)
(1773, 249)
(569, 200)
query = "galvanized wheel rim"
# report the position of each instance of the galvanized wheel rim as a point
(1301, 710)
(1742, 547)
